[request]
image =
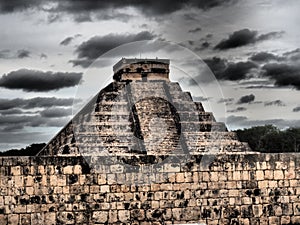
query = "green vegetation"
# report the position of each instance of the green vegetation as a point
(30, 150)
(269, 138)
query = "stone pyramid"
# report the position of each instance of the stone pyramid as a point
(143, 112)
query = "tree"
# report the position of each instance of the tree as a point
(269, 138)
(30, 150)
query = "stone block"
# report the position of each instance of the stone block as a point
(263, 184)
(113, 216)
(104, 188)
(3, 219)
(259, 175)
(236, 175)
(214, 176)
(278, 174)
(50, 218)
(100, 216)
(285, 220)
(15, 170)
(68, 170)
(13, 219)
(274, 220)
(268, 174)
(289, 174)
(296, 207)
(273, 183)
(179, 177)
(124, 216)
(295, 220)
(77, 169)
(294, 183)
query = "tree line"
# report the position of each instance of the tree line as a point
(30, 150)
(269, 138)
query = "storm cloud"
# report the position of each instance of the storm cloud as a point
(233, 71)
(39, 81)
(66, 41)
(245, 37)
(79, 7)
(265, 57)
(246, 99)
(296, 109)
(23, 54)
(283, 74)
(90, 50)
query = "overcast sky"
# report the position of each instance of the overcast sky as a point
(252, 48)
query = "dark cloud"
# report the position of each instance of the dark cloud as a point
(66, 41)
(34, 80)
(238, 109)
(244, 37)
(23, 54)
(56, 112)
(16, 5)
(196, 30)
(147, 7)
(98, 45)
(283, 74)
(80, 7)
(275, 103)
(236, 71)
(246, 99)
(82, 62)
(38, 102)
(224, 70)
(264, 57)
(237, 39)
(203, 45)
(90, 50)
(296, 109)
(217, 65)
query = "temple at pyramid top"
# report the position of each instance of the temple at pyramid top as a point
(143, 112)
(141, 69)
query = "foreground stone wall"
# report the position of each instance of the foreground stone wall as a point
(223, 189)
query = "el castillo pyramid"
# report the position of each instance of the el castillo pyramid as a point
(143, 112)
